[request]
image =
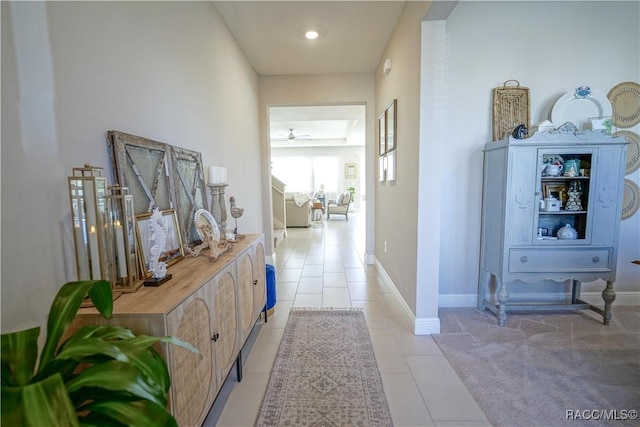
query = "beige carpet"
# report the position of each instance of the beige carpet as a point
(551, 369)
(325, 373)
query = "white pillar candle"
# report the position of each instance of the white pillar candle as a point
(223, 175)
(214, 175)
(95, 253)
(83, 266)
(122, 257)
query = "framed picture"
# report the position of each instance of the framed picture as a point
(381, 169)
(391, 166)
(143, 166)
(190, 191)
(392, 115)
(382, 133)
(555, 189)
(601, 124)
(159, 174)
(350, 171)
(173, 250)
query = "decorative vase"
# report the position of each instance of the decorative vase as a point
(567, 233)
(574, 203)
(575, 193)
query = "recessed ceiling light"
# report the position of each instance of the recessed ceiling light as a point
(311, 34)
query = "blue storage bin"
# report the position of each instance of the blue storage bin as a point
(271, 288)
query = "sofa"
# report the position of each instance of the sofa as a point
(298, 208)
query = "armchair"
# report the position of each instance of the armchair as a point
(341, 206)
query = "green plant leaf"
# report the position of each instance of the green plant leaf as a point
(88, 350)
(89, 347)
(64, 307)
(116, 378)
(138, 413)
(105, 332)
(44, 403)
(19, 354)
(102, 297)
(65, 368)
(12, 411)
(150, 364)
(144, 340)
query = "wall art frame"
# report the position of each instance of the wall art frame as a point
(350, 170)
(387, 135)
(190, 191)
(162, 175)
(391, 128)
(173, 249)
(382, 133)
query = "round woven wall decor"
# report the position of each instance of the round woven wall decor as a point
(625, 102)
(631, 199)
(633, 150)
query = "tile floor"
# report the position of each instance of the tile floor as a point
(322, 266)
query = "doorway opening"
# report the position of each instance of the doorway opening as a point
(317, 150)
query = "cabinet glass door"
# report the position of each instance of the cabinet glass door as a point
(563, 203)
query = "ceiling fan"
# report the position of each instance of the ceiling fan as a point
(294, 137)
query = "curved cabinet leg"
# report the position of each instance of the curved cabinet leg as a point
(608, 295)
(483, 280)
(503, 297)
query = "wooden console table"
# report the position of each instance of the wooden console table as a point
(212, 305)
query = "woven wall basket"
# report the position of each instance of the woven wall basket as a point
(510, 108)
(625, 101)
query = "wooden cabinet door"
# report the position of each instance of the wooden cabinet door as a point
(192, 375)
(245, 293)
(259, 280)
(225, 332)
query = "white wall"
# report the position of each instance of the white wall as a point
(551, 48)
(397, 202)
(168, 71)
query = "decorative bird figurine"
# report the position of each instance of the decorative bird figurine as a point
(236, 212)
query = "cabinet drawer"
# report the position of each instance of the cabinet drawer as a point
(539, 260)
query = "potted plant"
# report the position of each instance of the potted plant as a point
(352, 191)
(99, 375)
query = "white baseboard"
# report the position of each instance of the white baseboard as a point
(427, 326)
(595, 298)
(431, 325)
(369, 259)
(421, 326)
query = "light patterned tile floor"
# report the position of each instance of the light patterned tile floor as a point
(323, 267)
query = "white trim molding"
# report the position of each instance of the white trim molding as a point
(421, 326)
(369, 259)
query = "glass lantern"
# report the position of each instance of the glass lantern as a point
(124, 248)
(91, 233)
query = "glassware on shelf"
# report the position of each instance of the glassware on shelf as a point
(575, 193)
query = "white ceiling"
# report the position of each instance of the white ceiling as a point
(327, 125)
(353, 34)
(353, 37)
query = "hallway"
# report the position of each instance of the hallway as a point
(323, 267)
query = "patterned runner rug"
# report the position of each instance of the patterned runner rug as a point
(325, 373)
